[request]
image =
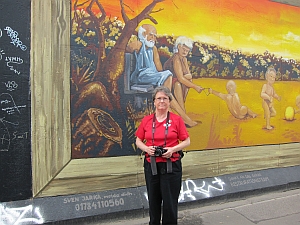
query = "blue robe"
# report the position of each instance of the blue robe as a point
(145, 70)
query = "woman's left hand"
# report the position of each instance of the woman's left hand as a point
(168, 154)
(180, 146)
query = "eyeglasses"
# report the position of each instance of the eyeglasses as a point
(162, 99)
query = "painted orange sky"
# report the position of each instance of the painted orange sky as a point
(251, 26)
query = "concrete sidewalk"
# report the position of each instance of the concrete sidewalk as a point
(280, 207)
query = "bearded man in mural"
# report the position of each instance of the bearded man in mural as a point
(149, 69)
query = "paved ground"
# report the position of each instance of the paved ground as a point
(281, 207)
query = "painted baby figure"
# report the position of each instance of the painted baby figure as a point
(268, 94)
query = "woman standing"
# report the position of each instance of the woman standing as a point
(162, 136)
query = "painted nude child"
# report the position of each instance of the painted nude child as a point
(232, 100)
(268, 94)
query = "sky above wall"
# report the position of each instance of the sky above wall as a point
(250, 26)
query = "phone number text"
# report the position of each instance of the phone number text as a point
(99, 204)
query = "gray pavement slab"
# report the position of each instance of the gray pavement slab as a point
(224, 217)
(271, 209)
(287, 220)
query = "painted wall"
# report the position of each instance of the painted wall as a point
(84, 112)
(233, 40)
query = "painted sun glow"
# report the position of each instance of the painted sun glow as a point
(256, 26)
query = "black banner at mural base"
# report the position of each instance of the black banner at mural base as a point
(51, 209)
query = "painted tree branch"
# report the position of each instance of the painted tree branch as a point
(124, 16)
(98, 22)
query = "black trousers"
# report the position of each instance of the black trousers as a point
(163, 189)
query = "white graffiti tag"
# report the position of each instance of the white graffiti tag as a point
(13, 60)
(15, 39)
(4, 136)
(8, 105)
(190, 189)
(22, 215)
(1, 53)
(11, 85)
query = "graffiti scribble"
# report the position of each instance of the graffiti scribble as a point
(5, 137)
(8, 104)
(11, 85)
(13, 60)
(22, 215)
(15, 39)
(1, 53)
(190, 189)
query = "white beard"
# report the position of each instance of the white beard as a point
(149, 44)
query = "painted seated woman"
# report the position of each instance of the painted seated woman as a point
(178, 65)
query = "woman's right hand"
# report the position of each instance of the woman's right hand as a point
(150, 150)
(147, 149)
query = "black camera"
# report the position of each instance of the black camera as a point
(159, 150)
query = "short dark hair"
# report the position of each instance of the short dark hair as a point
(164, 90)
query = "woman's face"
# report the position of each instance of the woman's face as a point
(161, 101)
(183, 50)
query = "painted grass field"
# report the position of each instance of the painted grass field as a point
(219, 129)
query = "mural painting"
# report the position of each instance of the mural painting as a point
(238, 84)
(235, 81)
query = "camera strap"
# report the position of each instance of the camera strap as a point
(152, 158)
(166, 130)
